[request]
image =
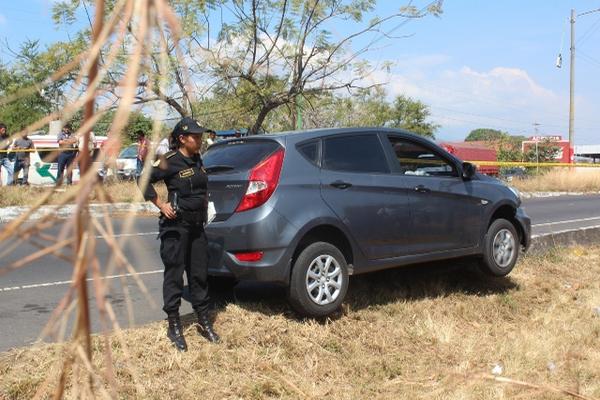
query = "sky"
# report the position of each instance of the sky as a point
(481, 64)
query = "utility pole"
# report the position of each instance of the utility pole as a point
(572, 90)
(572, 82)
(537, 151)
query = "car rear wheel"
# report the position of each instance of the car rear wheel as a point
(319, 280)
(501, 248)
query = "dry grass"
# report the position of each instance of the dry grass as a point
(121, 192)
(561, 180)
(431, 332)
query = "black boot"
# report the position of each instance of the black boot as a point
(205, 327)
(175, 333)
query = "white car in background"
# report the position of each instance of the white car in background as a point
(127, 162)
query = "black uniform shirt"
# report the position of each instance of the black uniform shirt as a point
(182, 175)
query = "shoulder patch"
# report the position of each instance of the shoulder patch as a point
(170, 154)
(156, 163)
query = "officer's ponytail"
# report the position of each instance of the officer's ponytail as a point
(174, 142)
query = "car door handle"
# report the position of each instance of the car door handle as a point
(422, 189)
(341, 184)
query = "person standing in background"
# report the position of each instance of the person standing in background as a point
(67, 143)
(92, 143)
(212, 138)
(142, 151)
(23, 147)
(4, 160)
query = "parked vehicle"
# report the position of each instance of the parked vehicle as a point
(308, 209)
(127, 162)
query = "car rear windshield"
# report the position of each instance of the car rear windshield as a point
(129, 152)
(239, 155)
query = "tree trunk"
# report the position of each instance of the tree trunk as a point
(264, 111)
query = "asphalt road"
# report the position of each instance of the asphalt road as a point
(29, 295)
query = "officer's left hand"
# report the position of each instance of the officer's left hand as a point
(167, 210)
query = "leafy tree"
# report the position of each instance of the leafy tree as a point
(263, 55)
(485, 134)
(279, 53)
(371, 108)
(25, 109)
(27, 79)
(412, 115)
(545, 151)
(137, 121)
(509, 148)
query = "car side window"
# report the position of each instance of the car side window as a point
(310, 151)
(416, 159)
(358, 153)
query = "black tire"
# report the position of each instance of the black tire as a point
(331, 285)
(501, 248)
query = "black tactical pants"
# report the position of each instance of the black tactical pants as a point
(184, 248)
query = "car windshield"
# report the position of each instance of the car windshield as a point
(129, 152)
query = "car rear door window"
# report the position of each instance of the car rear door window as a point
(239, 155)
(416, 159)
(357, 153)
(310, 151)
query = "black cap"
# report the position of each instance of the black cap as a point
(188, 126)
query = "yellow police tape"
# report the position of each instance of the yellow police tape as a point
(437, 162)
(533, 164)
(40, 149)
(408, 161)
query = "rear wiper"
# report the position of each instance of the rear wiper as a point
(217, 168)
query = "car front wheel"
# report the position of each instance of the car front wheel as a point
(319, 280)
(501, 248)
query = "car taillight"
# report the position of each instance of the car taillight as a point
(263, 178)
(249, 257)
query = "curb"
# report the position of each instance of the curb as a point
(532, 195)
(583, 236)
(10, 213)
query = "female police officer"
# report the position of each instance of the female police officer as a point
(181, 228)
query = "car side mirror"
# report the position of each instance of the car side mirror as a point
(468, 170)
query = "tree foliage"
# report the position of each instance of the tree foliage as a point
(372, 108)
(265, 55)
(137, 122)
(485, 134)
(27, 78)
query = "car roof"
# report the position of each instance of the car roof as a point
(321, 132)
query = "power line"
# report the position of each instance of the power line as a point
(593, 28)
(589, 58)
(496, 118)
(519, 126)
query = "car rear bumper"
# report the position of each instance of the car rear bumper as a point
(262, 229)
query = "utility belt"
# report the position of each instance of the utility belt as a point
(191, 217)
(182, 222)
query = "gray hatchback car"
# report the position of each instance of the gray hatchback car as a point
(307, 209)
